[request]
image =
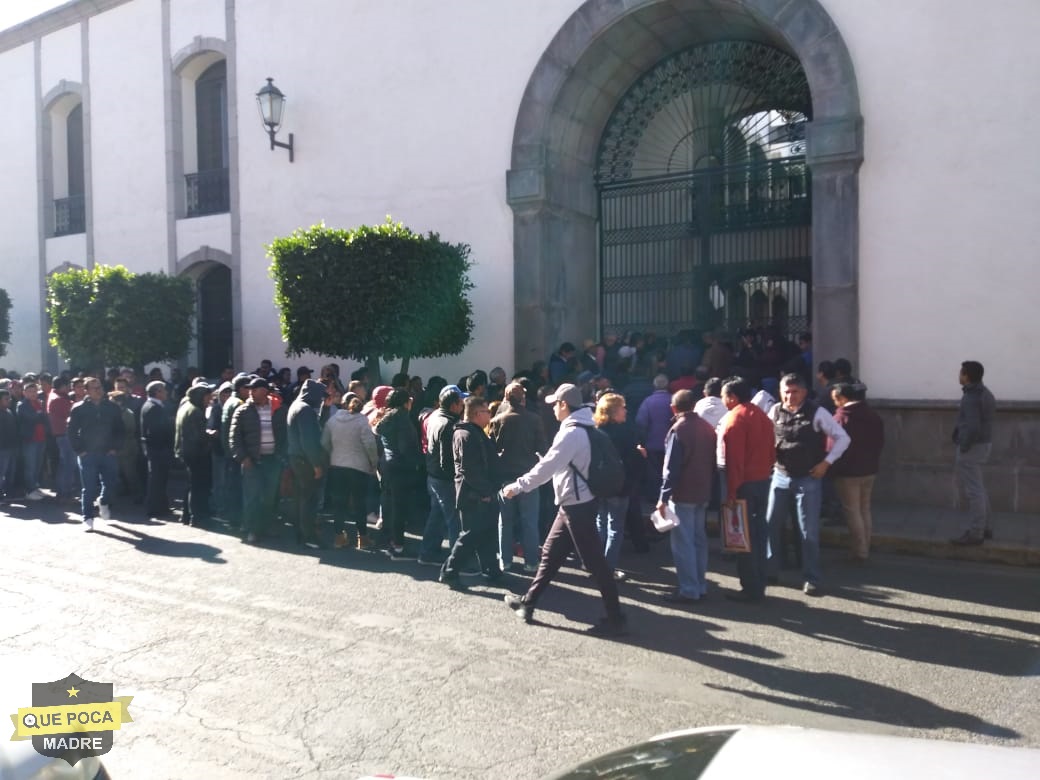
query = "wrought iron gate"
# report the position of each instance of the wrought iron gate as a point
(704, 195)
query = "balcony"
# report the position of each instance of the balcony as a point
(70, 215)
(207, 192)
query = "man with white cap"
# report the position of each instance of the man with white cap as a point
(574, 528)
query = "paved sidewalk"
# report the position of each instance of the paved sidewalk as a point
(927, 531)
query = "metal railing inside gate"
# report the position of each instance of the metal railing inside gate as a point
(694, 250)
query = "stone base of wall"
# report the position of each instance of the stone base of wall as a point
(917, 462)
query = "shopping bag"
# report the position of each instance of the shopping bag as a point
(736, 536)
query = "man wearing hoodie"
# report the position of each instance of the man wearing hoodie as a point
(476, 486)
(307, 460)
(575, 526)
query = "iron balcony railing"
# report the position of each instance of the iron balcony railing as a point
(208, 192)
(70, 215)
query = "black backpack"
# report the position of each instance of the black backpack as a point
(606, 475)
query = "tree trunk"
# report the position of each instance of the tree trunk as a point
(374, 377)
(404, 364)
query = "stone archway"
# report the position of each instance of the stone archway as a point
(597, 54)
(218, 338)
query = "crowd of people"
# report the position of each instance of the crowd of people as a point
(497, 469)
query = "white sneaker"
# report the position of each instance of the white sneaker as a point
(89, 523)
(35, 495)
(105, 511)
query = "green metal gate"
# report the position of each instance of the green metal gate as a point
(704, 195)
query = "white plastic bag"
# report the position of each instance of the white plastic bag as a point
(667, 521)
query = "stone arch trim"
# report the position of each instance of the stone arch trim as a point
(199, 45)
(195, 263)
(60, 90)
(564, 108)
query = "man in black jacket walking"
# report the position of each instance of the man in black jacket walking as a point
(96, 435)
(476, 486)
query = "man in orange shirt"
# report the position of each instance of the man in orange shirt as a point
(746, 453)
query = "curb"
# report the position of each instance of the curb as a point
(931, 548)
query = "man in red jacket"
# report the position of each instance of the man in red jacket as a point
(746, 453)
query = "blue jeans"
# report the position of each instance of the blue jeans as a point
(807, 493)
(95, 466)
(443, 518)
(65, 480)
(260, 485)
(524, 507)
(32, 453)
(690, 549)
(610, 522)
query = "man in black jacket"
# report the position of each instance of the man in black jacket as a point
(519, 436)
(157, 443)
(440, 475)
(476, 486)
(258, 447)
(96, 435)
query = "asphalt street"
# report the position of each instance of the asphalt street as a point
(279, 661)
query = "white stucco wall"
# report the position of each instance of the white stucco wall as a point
(213, 230)
(400, 119)
(66, 249)
(20, 272)
(128, 145)
(949, 237)
(192, 18)
(61, 57)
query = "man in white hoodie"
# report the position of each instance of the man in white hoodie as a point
(575, 525)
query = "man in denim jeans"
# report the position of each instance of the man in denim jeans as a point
(973, 438)
(689, 468)
(440, 476)
(519, 436)
(96, 433)
(801, 429)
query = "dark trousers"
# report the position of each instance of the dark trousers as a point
(395, 489)
(479, 522)
(200, 483)
(231, 500)
(575, 529)
(346, 498)
(751, 567)
(305, 500)
(157, 499)
(635, 523)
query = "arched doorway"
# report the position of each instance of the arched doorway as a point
(579, 84)
(703, 188)
(215, 337)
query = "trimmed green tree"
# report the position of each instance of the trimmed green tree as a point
(108, 316)
(373, 292)
(5, 321)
